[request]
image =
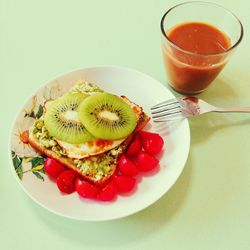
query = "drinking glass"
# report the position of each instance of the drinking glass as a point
(191, 72)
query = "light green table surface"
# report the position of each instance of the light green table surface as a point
(208, 207)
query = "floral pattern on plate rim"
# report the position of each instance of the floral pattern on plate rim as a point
(25, 159)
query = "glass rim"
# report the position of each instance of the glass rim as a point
(202, 54)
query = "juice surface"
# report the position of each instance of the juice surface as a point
(199, 60)
(199, 38)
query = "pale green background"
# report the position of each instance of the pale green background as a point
(208, 207)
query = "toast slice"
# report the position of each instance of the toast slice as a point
(93, 168)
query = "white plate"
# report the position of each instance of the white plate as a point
(139, 88)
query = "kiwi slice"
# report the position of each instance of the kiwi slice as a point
(107, 116)
(62, 122)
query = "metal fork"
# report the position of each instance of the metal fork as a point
(187, 106)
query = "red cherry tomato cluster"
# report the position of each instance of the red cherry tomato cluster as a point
(139, 157)
(142, 152)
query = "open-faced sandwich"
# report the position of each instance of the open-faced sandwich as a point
(94, 143)
(87, 130)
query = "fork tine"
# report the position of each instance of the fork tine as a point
(164, 112)
(167, 111)
(165, 103)
(168, 106)
(169, 117)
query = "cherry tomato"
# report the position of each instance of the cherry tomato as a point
(134, 147)
(53, 168)
(108, 193)
(146, 162)
(66, 181)
(85, 189)
(151, 142)
(127, 167)
(124, 184)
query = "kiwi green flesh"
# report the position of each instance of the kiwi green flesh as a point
(62, 122)
(107, 116)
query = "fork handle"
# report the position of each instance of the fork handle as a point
(234, 110)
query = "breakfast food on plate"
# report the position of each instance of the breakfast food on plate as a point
(94, 143)
(61, 135)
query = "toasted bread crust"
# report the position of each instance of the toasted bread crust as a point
(68, 162)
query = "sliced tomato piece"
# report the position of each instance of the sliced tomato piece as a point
(108, 193)
(85, 189)
(53, 168)
(127, 167)
(146, 162)
(66, 181)
(124, 184)
(134, 147)
(152, 142)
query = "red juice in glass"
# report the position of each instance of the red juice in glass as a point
(195, 52)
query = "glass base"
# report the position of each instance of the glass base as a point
(186, 93)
